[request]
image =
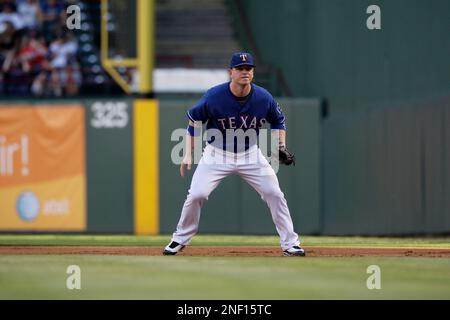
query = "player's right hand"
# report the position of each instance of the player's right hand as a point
(187, 161)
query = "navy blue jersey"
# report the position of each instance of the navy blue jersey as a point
(221, 110)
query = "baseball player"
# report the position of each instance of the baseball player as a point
(236, 106)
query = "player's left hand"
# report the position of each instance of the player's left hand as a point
(285, 156)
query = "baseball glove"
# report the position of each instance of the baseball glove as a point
(285, 156)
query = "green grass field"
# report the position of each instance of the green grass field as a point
(183, 277)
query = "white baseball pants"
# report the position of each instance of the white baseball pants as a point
(254, 168)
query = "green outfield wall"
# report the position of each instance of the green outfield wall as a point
(106, 166)
(385, 143)
(109, 136)
(325, 49)
(386, 170)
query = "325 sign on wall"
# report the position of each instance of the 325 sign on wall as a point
(109, 114)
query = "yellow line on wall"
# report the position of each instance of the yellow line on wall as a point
(146, 167)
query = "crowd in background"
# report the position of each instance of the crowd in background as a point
(38, 54)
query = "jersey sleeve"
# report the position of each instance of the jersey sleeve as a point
(276, 116)
(199, 111)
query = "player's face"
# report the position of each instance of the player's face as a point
(242, 75)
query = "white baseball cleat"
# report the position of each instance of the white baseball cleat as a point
(172, 248)
(294, 251)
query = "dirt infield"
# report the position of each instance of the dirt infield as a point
(223, 251)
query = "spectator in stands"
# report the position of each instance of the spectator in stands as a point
(54, 17)
(72, 80)
(32, 52)
(13, 74)
(9, 14)
(10, 26)
(64, 70)
(7, 37)
(31, 14)
(32, 56)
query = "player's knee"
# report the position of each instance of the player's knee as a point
(272, 193)
(198, 195)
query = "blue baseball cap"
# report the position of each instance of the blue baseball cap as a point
(241, 59)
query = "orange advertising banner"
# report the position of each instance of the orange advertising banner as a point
(42, 168)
